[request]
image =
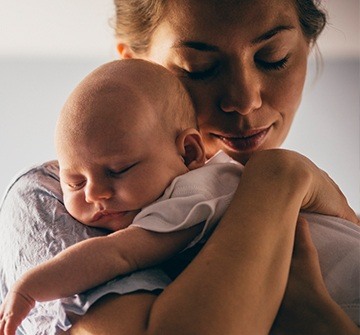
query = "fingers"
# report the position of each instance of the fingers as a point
(305, 262)
(6, 326)
(351, 216)
(13, 311)
(303, 242)
(2, 325)
(2, 320)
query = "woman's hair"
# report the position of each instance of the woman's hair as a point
(136, 20)
(312, 18)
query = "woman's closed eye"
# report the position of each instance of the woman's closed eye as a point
(273, 65)
(195, 69)
(200, 74)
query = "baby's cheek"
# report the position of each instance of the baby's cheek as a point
(72, 205)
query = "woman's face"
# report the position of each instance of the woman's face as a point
(244, 63)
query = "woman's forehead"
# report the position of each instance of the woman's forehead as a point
(194, 18)
(229, 7)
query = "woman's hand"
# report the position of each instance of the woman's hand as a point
(307, 307)
(325, 197)
(320, 193)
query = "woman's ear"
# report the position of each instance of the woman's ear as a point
(124, 51)
(191, 147)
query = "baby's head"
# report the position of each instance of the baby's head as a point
(127, 130)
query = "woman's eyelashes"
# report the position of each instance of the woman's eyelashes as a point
(197, 72)
(273, 65)
(210, 72)
(200, 75)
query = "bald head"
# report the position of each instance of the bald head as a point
(121, 94)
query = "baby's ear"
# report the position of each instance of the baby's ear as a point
(191, 147)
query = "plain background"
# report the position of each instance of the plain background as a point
(48, 46)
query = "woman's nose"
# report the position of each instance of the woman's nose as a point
(98, 191)
(242, 92)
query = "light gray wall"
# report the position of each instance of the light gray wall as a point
(32, 91)
(327, 126)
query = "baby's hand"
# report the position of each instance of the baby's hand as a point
(13, 311)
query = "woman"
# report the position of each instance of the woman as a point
(244, 63)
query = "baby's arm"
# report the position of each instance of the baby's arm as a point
(88, 264)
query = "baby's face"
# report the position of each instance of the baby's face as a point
(116, 168)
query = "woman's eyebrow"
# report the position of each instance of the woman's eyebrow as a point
(269, 34)
(200, 46)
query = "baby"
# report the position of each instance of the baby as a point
(132, 162)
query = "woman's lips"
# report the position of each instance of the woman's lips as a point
(247, 141)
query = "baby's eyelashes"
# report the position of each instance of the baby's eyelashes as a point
(121, 171)
(77, 185)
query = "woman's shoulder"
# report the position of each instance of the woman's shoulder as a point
(32, 180)
(49, 169)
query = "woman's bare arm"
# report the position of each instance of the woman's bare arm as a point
(236, 283)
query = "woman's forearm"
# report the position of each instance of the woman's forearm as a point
(236, 283)
(244, 263)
